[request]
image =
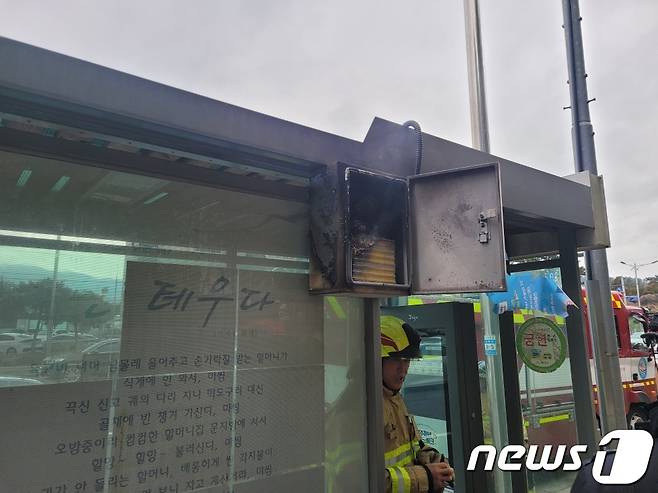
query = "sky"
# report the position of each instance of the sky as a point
(336, 65)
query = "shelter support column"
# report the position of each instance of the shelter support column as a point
(375, 405)
(578, 357)
(512, 395)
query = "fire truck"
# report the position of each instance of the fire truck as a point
(636, 359)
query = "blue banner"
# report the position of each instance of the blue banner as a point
(531, 291)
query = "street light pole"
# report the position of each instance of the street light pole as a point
(491, 326)
(604, 342)
(637, 290)
(635, 266)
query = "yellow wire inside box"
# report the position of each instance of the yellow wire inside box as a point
(373, 260)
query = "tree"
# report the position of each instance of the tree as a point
(651, 285)
(32, 300)
(86, 309)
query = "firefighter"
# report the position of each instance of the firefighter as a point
(411, 466)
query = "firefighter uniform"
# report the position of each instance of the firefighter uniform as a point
(405, 455)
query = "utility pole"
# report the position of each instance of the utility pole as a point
(635, 267)
(604, 340)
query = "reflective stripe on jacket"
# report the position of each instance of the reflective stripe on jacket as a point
(403, 451)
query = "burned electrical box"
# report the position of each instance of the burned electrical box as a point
(375, 230)
(374, 234)
(359, 232)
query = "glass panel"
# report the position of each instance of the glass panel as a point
(636, 327)
(548, 404)
(160, 336)
(426, 394)
(547, 399)
(427, 389)
(345, 392)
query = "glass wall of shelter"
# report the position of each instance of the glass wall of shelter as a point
(547, 400)
(158, 336)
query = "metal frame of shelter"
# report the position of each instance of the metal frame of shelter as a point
(177, 134)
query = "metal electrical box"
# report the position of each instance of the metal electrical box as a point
(374, 234)
(457, 237)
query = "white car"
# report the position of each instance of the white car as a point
(95, 362)
(13, 343)
(17, 381)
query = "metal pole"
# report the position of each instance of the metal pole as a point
(623, 289)
(51, 311)
(512, 391)
(603, 337)
(477, 98)
(375, 407)
(637, 287)
(480, 138)
(496, 392)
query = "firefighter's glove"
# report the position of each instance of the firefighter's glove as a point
(441, 474)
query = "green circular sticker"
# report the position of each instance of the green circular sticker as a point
(541, 344)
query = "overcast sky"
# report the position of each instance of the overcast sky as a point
(336, 65)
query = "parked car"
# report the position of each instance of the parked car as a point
(17, 382)
(15, 343)
(69, 341)
(95, 362)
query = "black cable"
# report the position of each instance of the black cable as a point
(419, 148)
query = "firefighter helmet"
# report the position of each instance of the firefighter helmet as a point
(398, 338)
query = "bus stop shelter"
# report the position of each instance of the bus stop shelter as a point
(198, 203)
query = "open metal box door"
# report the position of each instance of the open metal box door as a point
(456, 229)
